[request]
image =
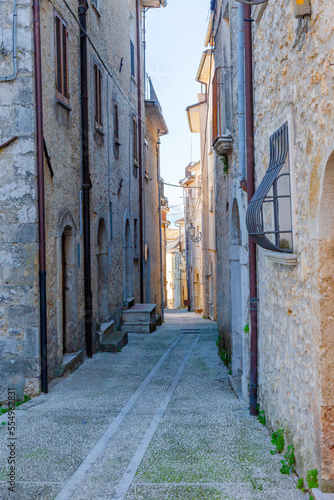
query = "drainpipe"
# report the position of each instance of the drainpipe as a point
(141, 218)
(241, 97)
(41, 197)
(86, 182)
(250, 193)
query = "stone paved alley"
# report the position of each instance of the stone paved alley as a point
(155, 421)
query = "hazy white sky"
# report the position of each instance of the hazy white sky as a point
(175, 42)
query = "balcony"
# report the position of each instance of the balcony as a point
(153, 108)
(222, 141)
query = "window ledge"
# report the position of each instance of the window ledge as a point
(99, 128)
(96, 9)
(63, 104)
(287, 259)
(257, 11)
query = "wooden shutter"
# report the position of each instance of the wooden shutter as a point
(61, 52)
(135, 141)
(58, 56)
(116, 126)
(98, 95)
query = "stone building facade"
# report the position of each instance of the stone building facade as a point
(192, 184)
(295, 289)
(231, 232)
(293, 123)
(113, 125)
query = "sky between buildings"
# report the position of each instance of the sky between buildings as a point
(175, 42)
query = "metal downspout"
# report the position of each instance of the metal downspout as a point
(41, 196)
(241, 97)
(250, 193)
(141, 218)
(86, 182)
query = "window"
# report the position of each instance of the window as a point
(61, 36)
(98, 96)
(135, 141)
(135, 239)
(211, 200)
(116, 131)
(132, 53)
(269, 217)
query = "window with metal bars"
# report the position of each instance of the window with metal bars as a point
(98, 96)
(269, 215)
(61, 52)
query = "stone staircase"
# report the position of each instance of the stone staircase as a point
(140, 318)
(110, 339)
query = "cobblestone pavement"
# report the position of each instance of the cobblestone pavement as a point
(155, 421)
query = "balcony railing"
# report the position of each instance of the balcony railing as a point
(150, 94)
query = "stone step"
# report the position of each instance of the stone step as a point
(105, 330)
(115, 342)
(71, 361)
(140, 313)
(137, 327)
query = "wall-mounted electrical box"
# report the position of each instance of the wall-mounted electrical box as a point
(301, 8)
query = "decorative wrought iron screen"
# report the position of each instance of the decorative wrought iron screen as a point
(268, 216)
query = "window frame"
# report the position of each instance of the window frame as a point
(132, 60)
(61, 60)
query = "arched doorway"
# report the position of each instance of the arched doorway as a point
(236, 294)
(326, 337)
(197, 290)
(68, 291)
(102, 272)
(127, 259)
(211, 290)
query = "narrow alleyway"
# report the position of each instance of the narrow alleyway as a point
(155, 421)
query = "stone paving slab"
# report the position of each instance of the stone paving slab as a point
(206, 446)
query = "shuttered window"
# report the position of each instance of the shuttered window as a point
(61, 51)
(98, 95)
(135, 142)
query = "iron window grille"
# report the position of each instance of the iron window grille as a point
(269, 217)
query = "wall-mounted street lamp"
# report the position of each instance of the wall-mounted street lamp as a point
(191, 232)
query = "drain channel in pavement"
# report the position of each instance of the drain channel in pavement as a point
(194, 331)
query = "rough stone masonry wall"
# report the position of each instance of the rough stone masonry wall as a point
(230, 203)
(19, 317)
(296, 86)
(62, 133)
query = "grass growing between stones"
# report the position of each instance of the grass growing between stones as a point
(18, 403)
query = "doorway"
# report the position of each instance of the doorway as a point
(102, 272)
